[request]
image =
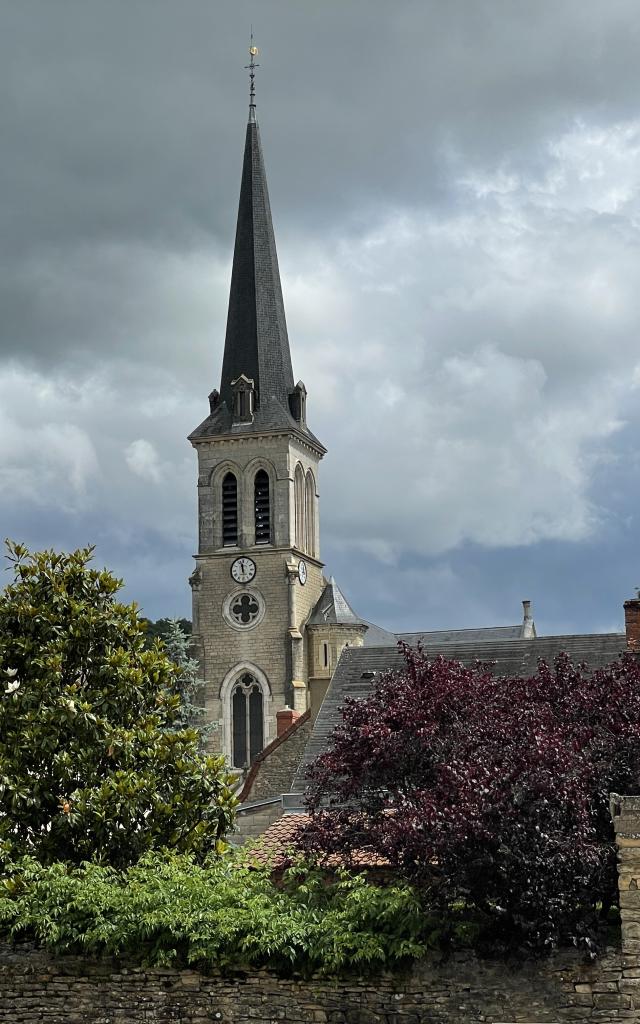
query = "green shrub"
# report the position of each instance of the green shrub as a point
(225, 913)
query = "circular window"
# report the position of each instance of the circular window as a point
(244, 609)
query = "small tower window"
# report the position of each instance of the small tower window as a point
(229, 510)
(262, 507)
(247, 714)
(325, 654)
(243, 394)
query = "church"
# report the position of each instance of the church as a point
(279, 646)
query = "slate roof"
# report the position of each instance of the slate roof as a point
(332, 608)
(376, 636)
(358, 666)
(462, 636)
(256, 342)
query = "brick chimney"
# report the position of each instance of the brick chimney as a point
(285, 719)
(632, 623)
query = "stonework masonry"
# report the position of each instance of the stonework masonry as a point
(276, 646)
(35, 987)
(273, 770)
(563, 989)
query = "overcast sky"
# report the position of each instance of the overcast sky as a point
(455, 193)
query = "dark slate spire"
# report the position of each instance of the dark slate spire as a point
(256, 342)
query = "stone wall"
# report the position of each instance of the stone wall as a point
(67, 990)
(563, 989)
(254, 819)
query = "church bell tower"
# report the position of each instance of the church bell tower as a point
(258, 572)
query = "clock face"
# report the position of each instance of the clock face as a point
(243, 570)
(302, 572)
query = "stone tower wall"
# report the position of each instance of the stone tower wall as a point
(276, 645)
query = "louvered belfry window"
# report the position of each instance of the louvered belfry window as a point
(262, 508)
(229, 510)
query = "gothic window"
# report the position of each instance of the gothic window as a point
(262, 507)
(247, 721)
(310, 517)
(229, 510)
(299, 507)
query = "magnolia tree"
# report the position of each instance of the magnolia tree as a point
(96, 760)
(490, 794)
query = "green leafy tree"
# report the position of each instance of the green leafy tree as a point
(158, 629)
(187, 682)
(92, 766)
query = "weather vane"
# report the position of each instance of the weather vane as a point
(251, 68)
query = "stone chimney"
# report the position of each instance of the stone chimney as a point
(632, 623)
(528, 626)
(285, 719)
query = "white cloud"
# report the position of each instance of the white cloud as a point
(484, 356)
(142, 459)
(45, 457)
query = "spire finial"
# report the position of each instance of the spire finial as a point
(251, 68)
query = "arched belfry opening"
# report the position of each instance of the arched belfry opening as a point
(229, 510)
(262, 507)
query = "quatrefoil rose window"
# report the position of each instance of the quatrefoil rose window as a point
(244, 609)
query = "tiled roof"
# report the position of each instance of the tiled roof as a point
(358, 666)
(279, 839)
(278, 843)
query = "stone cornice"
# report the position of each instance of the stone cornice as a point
(250, 437)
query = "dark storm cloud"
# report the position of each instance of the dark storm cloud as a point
(455, 192)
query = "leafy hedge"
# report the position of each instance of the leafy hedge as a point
(169, 910)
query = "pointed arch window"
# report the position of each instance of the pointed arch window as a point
(310, 514)
(229, 510)
(262, 507)
(299, 507)
(247, 717)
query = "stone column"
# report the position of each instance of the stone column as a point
(625, 811)
(298, 684)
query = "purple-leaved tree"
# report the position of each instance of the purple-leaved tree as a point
(490, 794)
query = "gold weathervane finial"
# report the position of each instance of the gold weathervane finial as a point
(251, 68)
